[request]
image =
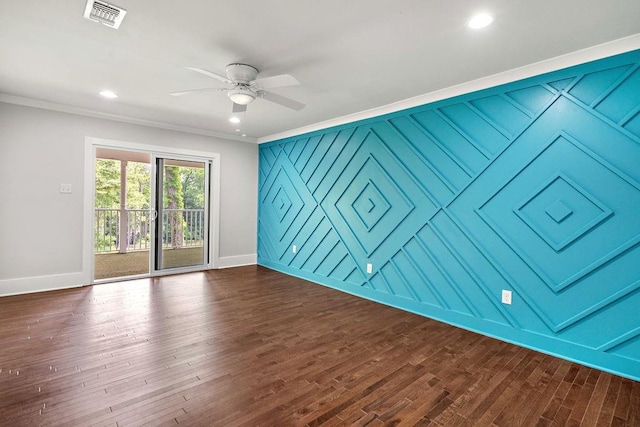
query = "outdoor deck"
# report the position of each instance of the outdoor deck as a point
(113, 264)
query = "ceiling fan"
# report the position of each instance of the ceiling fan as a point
(244, 86)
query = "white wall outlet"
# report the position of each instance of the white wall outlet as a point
(369, 268)
(65, 188)
(506, 297)
(294, 249)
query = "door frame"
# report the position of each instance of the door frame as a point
(91, 143)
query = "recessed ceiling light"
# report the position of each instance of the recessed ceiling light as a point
(480, 20)
(108, 94)
(234, 119)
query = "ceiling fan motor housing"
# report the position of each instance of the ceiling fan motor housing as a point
(241, 73)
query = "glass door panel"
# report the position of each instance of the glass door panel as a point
(121, 231)
(182, 200)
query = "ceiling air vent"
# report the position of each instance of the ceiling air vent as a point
(104, 13)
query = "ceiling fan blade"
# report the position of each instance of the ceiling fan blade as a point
(237, 108)
(187, 92)
(277, 81)
(210, 74)
(281, 100)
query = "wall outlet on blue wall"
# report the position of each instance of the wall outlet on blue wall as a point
(506, 297)
(294, 249)
(369, 268)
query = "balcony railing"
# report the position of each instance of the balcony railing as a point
(180, 228)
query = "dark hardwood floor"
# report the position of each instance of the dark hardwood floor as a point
(252, 347)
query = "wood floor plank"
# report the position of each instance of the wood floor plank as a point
(582, 400)
(608, 406)
(633, 418)
(249, 346)
(596, 401)
(624, 399)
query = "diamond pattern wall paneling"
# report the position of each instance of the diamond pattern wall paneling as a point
(532, 187)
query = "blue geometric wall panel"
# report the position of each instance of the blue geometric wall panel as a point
(369, 210)
(532, 187)
(544, 174)
(562, 211)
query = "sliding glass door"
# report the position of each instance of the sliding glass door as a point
(150, 212)
(181, 215)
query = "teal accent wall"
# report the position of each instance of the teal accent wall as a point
(532, 187)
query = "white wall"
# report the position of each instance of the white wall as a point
(41, 229)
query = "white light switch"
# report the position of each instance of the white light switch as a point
(65, 188)
(506, 297)
(294, 249)
(369, 268)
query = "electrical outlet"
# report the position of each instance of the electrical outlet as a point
(369, 268)
(65, 188)
(506, 297)
(294, 249)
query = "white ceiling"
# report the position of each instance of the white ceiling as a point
(349, 55)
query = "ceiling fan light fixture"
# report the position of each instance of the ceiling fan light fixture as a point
(241, 96)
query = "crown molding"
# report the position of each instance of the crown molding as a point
(47, 105)
(592, 53)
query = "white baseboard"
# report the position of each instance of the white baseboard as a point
(27, 285)
(237, 260)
